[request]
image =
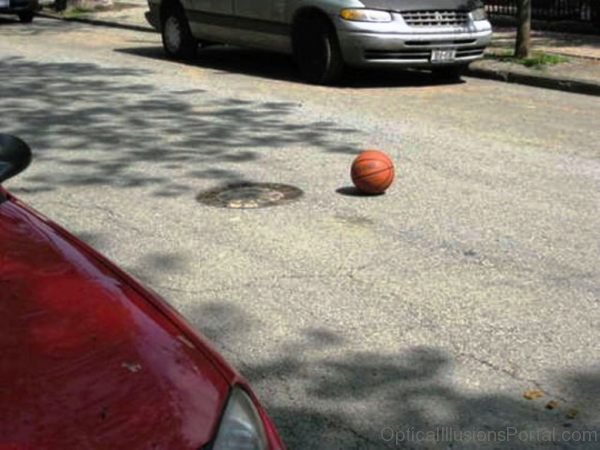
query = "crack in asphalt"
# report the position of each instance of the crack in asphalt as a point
(509, 373)
(118, 220)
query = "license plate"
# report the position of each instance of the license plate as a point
(440, 55)
(4, 3)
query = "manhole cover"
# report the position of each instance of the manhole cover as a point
(250, 195)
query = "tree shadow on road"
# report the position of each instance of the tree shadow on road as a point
(103, 126)
(323, 394)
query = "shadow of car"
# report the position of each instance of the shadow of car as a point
(229, 60)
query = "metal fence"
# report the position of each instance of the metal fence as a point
(579, 10)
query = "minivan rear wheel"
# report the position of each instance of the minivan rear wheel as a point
(317, 51)
(177, 38)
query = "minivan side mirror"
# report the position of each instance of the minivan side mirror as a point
(15, 156)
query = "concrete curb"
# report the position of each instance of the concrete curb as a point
(558, 84)
(104, 23)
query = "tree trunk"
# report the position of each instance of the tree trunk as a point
(523, 45)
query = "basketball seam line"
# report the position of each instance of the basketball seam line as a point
(373, 173)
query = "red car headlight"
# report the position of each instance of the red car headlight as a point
(241, 426)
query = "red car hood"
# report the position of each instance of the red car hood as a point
(88, 360)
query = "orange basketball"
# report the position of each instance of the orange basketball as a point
(372, 172)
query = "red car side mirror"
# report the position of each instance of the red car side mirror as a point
(15, 156)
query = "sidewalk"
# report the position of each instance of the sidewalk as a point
(578, 71)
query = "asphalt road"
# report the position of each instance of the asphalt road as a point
(357, 319)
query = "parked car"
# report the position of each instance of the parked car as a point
(25, 9)
(326, 35)
(93, 360)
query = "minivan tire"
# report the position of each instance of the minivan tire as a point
(26, 16)
(178, 41)
(317, 51)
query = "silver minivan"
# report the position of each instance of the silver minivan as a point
(324, 36)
